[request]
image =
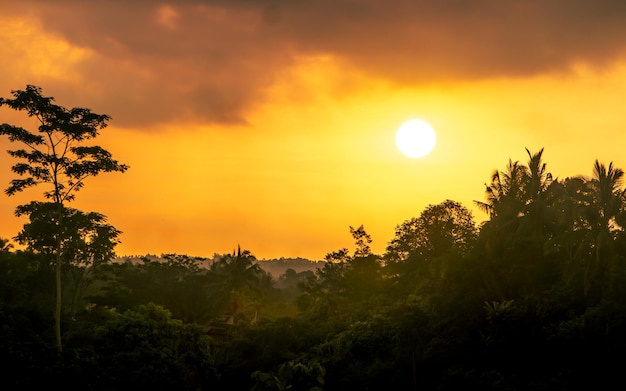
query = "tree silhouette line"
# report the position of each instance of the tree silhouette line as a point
(533, 298)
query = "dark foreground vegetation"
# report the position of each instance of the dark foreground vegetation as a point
(534, 299)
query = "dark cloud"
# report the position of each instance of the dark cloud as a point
(208, 61)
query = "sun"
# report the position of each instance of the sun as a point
(416, 138)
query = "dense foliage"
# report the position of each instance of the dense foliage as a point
(534, 299)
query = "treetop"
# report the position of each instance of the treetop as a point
(56, 155)
(78, 123)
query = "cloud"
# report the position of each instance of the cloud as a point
(209, 61)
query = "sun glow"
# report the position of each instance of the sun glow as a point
(416, 138)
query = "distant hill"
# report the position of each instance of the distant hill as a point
(277, 267)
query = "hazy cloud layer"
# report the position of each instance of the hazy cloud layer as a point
(149, 62)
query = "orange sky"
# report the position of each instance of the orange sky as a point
(271, 124)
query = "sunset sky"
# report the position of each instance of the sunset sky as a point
(271, 124)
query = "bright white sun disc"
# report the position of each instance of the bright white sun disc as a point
(415, 138)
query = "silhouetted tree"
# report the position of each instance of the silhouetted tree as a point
(608, 194)
(519, 191)
(362, 241)
(538, 178)
(444, 227)
(239, 276)
(505, 195)
(56, 156)
(607, 207)
(345, 280)
(362, 248)
(86, 241)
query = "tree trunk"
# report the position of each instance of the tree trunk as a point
(59, 287)
(59, 302)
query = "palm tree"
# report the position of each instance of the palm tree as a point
(609, 197)
(238, 269)
(538, 178)
(607, 204)
(505, 195)
(588, 211)
(515, 191)
(537, 211)
(239, 275)
(517, 203)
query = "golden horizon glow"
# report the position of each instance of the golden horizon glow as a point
(416, 138)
